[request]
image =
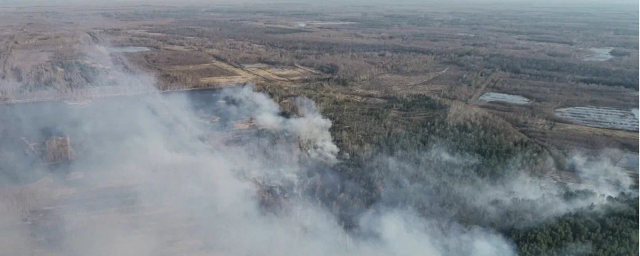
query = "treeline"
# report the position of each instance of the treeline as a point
(220, 30)
(414, 124)
(408, 152)
(612, 231)
(349, 62)
(559, 70)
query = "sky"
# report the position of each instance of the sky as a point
(6, 3)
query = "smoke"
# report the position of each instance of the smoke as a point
(225, 172)
(151, 178)
(445, 186)
(601, 173)
(310, 127)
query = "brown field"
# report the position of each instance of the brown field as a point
(399, 53)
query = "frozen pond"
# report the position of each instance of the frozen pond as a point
(601, 117)
(125, 49)
(503, 97)
(320, 23)
(599, 54)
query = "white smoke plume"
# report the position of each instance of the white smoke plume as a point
(601, 173)
(431, 180)
(169, 175)
(150, 179)
(310, 127)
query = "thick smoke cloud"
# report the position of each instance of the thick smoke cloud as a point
(151, 178)
(167, 174)
(444, 186)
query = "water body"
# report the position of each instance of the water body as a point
(599, 54)
(601, 117)
(321, 23)
(127, 49)
(503, 97)
(466, 34)
(33, 117)
(629, 160)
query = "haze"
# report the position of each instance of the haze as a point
(319, 128)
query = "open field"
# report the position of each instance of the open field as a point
(359, 52)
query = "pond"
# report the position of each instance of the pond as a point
(127, 49)
(599, 54)
(323, 23)
(629, 160)
(98, 121)
(503, 97)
